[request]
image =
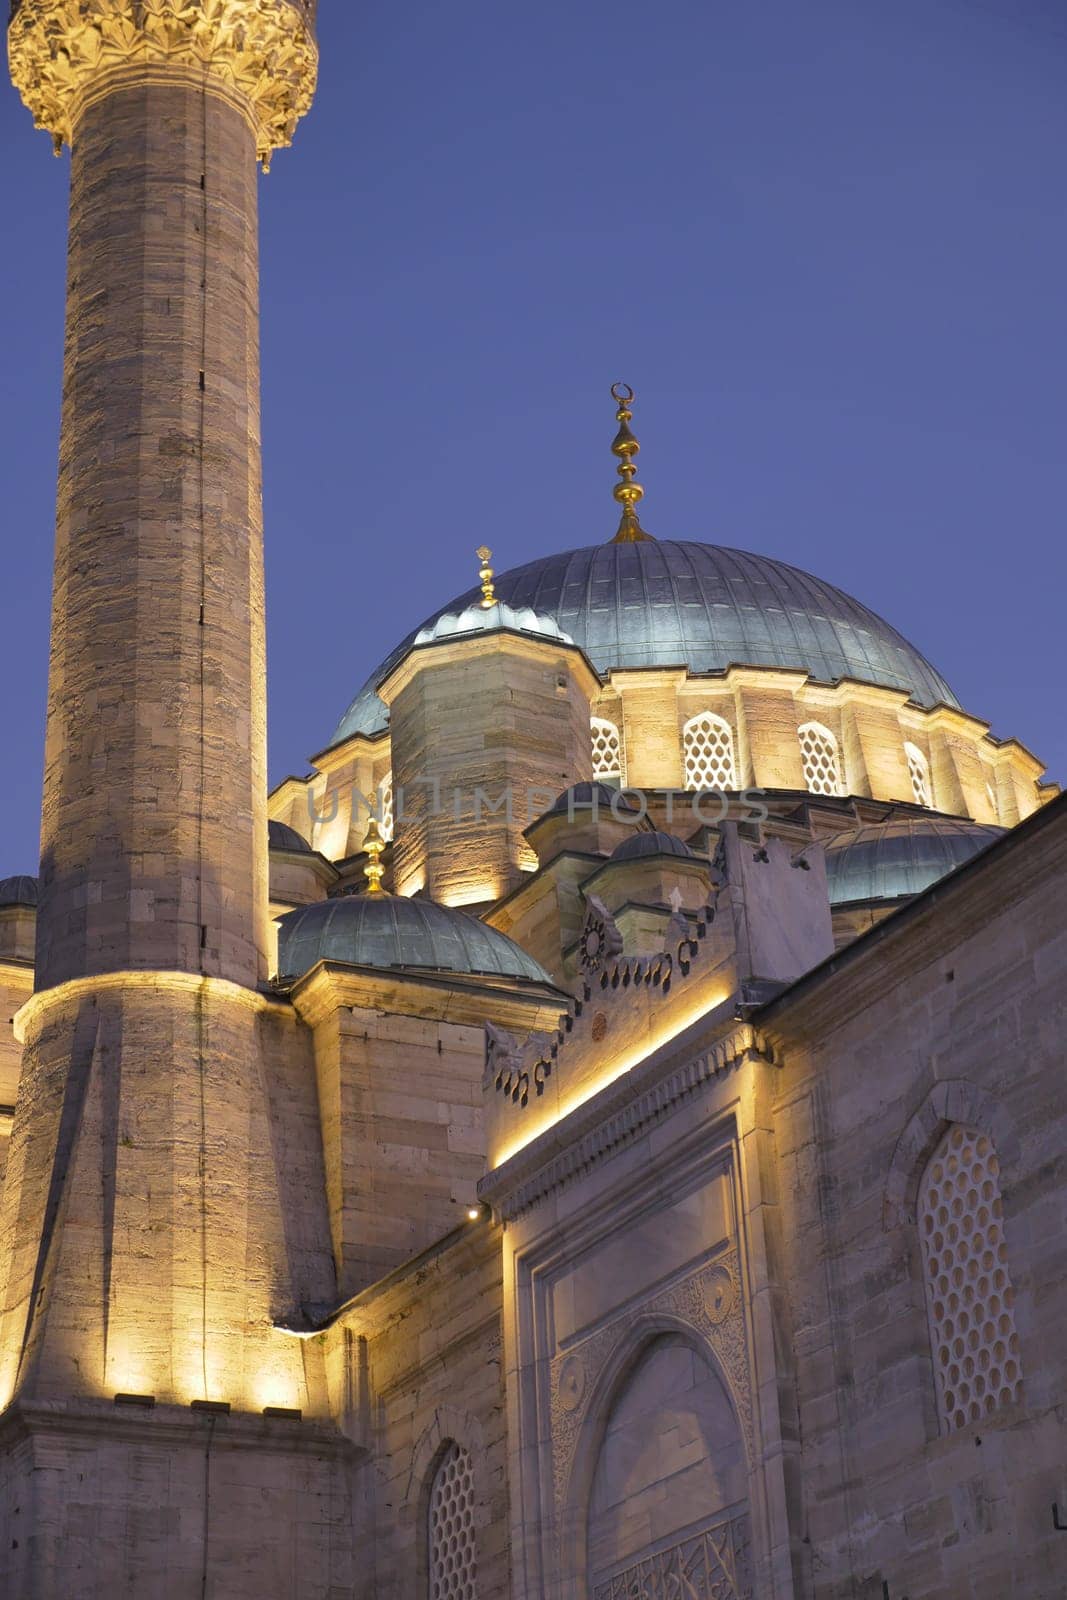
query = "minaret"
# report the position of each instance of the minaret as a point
(140, 1215)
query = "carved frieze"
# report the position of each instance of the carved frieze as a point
(708, 1301)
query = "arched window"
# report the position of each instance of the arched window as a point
(451, 1546)
(822, 764)
(708, 746)
(919, 769)
(607, 751)
(969, 1295)
(384, 807)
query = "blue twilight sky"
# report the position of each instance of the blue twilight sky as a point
(826, 240)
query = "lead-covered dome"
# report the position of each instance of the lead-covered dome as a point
(900, 858)
(384, 930)
(670, 603)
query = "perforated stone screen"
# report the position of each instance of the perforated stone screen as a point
(708, 744)
(607, 750)
(968, 1288)
(822, 766)
(453, 1572)
(919, 769)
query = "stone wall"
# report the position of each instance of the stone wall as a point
(952, 1012)
(428, 1348)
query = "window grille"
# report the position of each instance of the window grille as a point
(451, 1544)
(969, 1294)
(919, 769)
(708, 745)
(822, 765)
(607, 751)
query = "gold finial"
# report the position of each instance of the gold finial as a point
(373, 845)
(484, 555)
(625, 446)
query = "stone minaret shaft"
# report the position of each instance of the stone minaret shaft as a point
(154, 816)
(136, 1238)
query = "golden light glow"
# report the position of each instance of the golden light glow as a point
(474, 896)
(612, 1071)
(187, 983)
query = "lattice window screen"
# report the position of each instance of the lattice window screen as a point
(708, 744)
(919, 768)
(822, 765)
(451, 1546)
(607, 750)
(968, 1290)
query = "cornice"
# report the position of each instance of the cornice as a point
(190, 984)
(63, 53)
(420, 992)
(461, 647)
(173, 1425)
(712, 1047)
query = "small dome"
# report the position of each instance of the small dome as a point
(650, 843)
(21, 891)
(384, 930)
(584, 796)
(490, 619)
(897, 859)
(281, 837)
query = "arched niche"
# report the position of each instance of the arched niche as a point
(668, 1494)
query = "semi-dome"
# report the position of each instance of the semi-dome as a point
(384, 930)
(664, 602)
(896, 859)
(18, 891)
(650, 842)
(280, 836)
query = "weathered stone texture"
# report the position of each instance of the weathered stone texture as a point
(154, 818)
(168, 1505)
(434, 1374)
(953, 1012)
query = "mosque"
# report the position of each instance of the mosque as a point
(599, 1134)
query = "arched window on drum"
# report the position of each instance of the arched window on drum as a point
(708, 747)
(608, 766)
(822, 761)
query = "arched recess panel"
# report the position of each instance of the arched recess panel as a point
(668, 1511)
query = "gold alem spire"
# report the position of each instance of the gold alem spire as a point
(485, 572)
(373, 845)
(627, 492)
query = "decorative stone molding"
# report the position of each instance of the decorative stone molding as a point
(950, 1100)
(714, 1561)
(263, 51)
(610, 1127)
(690, 1306)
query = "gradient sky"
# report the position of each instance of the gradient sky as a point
(825, 241)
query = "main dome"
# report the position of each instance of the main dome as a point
(671, 603)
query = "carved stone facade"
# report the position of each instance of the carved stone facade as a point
(63, 53)
(616, 1237)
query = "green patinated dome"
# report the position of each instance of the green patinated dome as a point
(900, 858)
(384, 930)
